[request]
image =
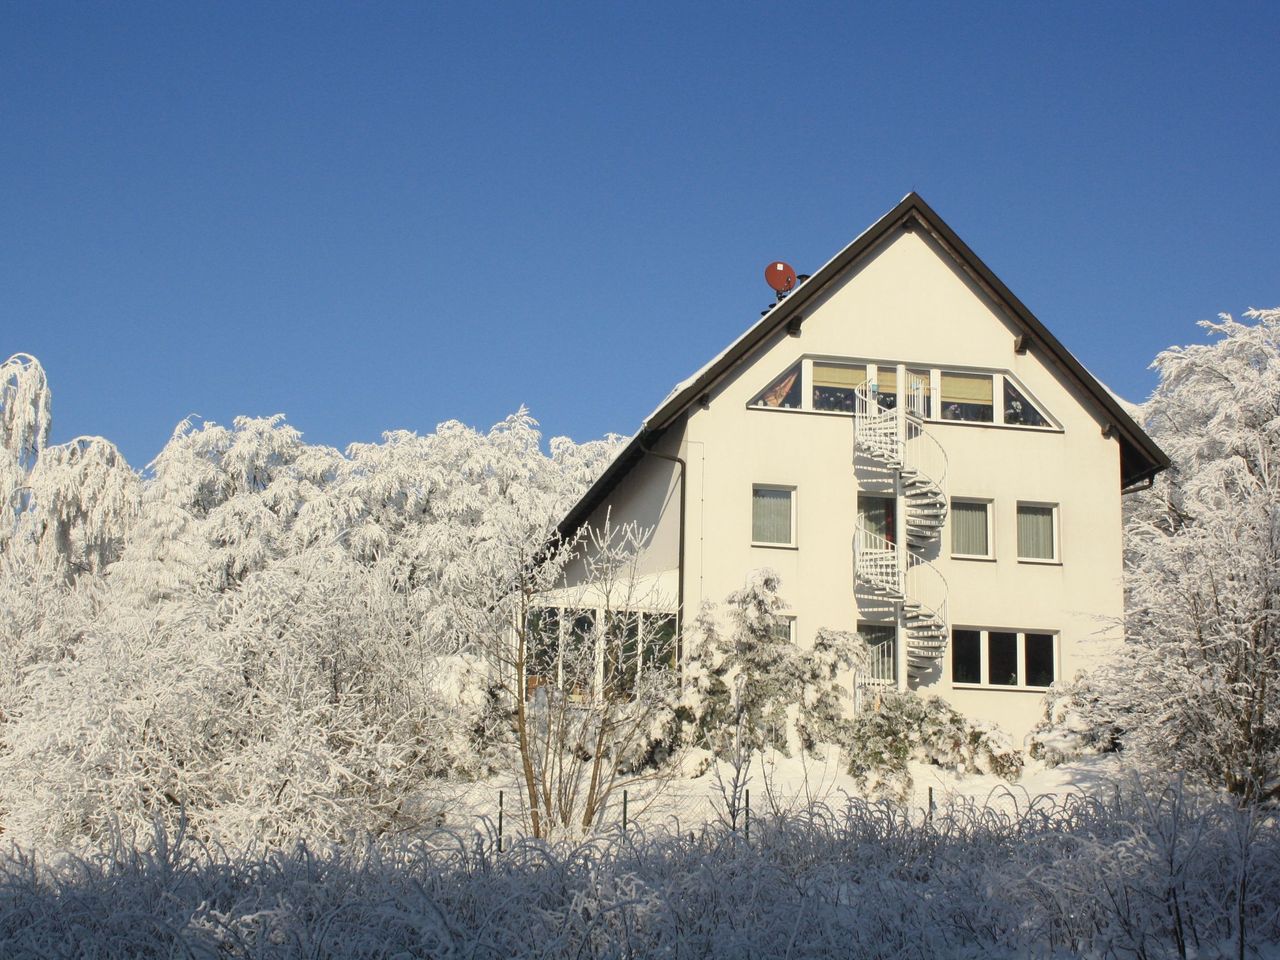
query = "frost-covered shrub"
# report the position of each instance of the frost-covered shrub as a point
(1142, 870)
(894, 727)
(1078, 720)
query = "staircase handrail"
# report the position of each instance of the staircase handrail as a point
(925, 455)
(926, 586)
(875, 428)
(877, 560)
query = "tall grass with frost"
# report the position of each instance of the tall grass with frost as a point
(1137, 871)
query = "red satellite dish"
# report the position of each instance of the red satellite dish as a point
(780, 276)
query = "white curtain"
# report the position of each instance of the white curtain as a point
(770, 515)
(969, 528)
(1035, 532)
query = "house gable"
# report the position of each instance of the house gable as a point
(887, 262)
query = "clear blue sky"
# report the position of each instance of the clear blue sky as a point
(376, 216)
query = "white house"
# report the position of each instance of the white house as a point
(919, 459)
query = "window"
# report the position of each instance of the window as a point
(971, 528)
(1003, 658)
(834, 385)
(784, 628)
(783, 392)
(887, 386)
(881, 638)
(1039, 659)
(1018, 410)
(1037, 531)
(772, 516)
(879, 518)
(621, 653)
(660, 641)
(966, 656)
(542, 647)
(967, 396)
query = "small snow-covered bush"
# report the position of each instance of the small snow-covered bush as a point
(1078, 721)
(894, 727)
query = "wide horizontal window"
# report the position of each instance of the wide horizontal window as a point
(1003, 658)
(967, 396)
(773, 515)
(834, 385)
(575, 649)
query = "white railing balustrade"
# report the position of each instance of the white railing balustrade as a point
(924, 455)
(918, 396)
(927, 587)
(877, 561)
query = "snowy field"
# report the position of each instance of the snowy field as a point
(1103, 869)
(782, 785)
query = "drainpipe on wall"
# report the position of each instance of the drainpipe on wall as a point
(680, 555)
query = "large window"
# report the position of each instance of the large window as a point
(971, 529)
(1038, 531)
(834, 385)
(967, 396)
(1018, 410)
(773, 515)
(566, 648)
(1003, 658)
(881, 639)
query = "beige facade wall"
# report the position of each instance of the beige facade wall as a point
(907, 302)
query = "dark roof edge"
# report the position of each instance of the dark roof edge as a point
(1150, 458)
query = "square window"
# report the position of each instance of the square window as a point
(966, 656)
(967, 397)
(971, 528)
(772, 516)
(1002, 658)
(1037, 538)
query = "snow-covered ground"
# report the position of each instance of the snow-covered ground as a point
(781, 783)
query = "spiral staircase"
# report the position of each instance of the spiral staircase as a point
(897, 441)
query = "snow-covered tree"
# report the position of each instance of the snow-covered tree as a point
(1199, 684)
(264, 638)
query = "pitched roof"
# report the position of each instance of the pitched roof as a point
(1140, 457)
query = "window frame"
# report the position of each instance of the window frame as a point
(984, 663)
(1056, 559)
(989, 503)
(933, 372)
(791, 489)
